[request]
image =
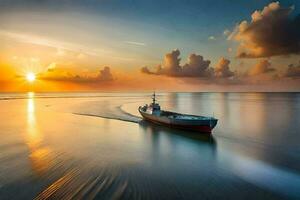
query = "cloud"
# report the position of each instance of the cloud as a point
(171, 64)
(135, 43)
(261, 67)
(195, 67)
(226, 32)
(146, 70)
(211, 37)
(272, 31)
(293, 71)
(222, 68)
(51, 66)
(57, 74)
(61, 46)
(105, 75)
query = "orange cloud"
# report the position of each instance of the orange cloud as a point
(56, 74)
(222, 68)
(271, 31)
(261, 67)
(195, 67)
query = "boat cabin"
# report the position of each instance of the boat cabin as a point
(153, 108)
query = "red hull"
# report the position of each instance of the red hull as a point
(202, 129)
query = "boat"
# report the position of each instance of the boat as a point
(154, 114)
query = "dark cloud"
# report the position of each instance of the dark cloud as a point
(271, 31)
(261, 67)
(195, 67)
(171, 64)
(222, 69)
(146, 70)
(293, 71)
(105, 75)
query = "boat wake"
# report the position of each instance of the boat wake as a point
(109, 111)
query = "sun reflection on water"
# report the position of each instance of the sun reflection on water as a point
(30, 111)
(39, 154)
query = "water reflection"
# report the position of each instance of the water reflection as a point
(165, 140)
(155, 129)
(39, 154)
(171, 100)
(74, 156)
(30, 109)
(252, 114)
(261, 173)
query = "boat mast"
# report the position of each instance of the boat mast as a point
(153, 98)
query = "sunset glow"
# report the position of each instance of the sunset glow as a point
(150, 99)
(197, 50)
(30, 77)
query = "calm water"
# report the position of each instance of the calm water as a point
(94, 145)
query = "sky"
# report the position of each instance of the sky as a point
(130, 45)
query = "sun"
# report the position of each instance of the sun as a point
(30, 77)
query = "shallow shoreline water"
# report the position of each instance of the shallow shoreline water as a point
(95, 145)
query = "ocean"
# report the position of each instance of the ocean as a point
(96, 146)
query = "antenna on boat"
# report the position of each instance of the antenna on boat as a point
(153, 98)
